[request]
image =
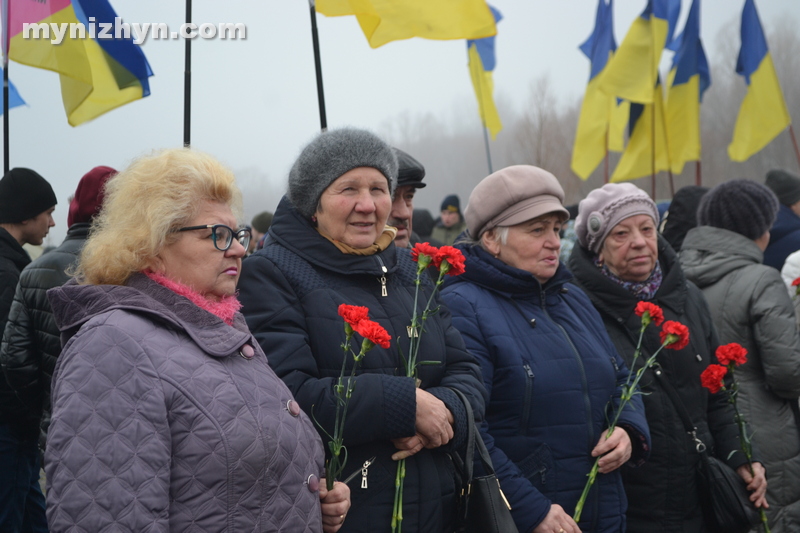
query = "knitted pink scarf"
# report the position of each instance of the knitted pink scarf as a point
(225, 309)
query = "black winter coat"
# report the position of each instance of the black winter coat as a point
(291, 291)
(31, 343)
(663, 494)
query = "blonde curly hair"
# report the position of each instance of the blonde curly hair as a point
(144, 204)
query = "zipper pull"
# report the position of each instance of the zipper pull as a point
(383, 286)
(364, 474)
(528, 370)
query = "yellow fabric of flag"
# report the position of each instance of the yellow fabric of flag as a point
(637, 160)
(384, 21)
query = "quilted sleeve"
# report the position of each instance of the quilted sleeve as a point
(108, 449)
(528, 506)
(19, 357)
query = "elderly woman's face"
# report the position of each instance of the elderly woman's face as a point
(533, 246)
(355, 207)
(631, 249)
(194, 260)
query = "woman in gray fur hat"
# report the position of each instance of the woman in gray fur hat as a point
(329, 245)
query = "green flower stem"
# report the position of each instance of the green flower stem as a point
(744, 440)
(628, 392)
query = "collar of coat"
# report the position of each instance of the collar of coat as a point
(293, 231)
(73, 305)
(11, 250)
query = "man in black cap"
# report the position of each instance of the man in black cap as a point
(785, 233)
(27, 202)
(451, 223)
(409, 178)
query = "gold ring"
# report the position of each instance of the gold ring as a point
(561, 530)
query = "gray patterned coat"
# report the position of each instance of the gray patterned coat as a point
(161, 424)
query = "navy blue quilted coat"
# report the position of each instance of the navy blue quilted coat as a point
(160, 424)
(291, 291)
(551, 372)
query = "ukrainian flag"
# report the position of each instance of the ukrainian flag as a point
(97, 75)
(647, 124)
(763, 114)
(689, 78)
(383, 21)
(603, 118)
(482, 61)
(631, 74)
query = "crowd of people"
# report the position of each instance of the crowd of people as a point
(172, 369)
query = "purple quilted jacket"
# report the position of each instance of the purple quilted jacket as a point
(161, 423)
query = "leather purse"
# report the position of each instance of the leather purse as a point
(483, 508)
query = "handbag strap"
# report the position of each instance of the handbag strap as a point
(683, 413)
(474, 440)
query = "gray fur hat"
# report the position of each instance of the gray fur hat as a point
(330, 155)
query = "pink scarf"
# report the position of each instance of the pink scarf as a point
(225, 309)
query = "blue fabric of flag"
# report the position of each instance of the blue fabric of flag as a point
(754, 43)
(690, 58)
(601, 42)
(485, 46)
(14, 99)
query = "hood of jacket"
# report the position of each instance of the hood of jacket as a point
(709, 254)
(74, 305)
(785, 222)
(482, 269)
(296, 233)
(617, 301)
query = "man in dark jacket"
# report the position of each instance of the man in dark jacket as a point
(27, 202)
(409, 178)
(31, 342)
(785, 233)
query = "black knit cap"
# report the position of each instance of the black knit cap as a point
(24, 194)
(785, 185)
(742, 206)
(451, 203)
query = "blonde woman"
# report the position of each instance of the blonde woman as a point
(166, 415)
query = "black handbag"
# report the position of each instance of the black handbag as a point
(725, 499)
(483, 507)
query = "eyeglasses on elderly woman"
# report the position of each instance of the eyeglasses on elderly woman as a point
(222, 235)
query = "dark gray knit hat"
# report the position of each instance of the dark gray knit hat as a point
(742, 206)
(785, 185)
(23, 195)
(330, 155)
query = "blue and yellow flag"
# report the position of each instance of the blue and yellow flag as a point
(631, 74)
(383, 21)
(482, 61)
(647, 125)
(689, 78)
(763, 114)
(14, 99)
(603, 118)
(97, 75)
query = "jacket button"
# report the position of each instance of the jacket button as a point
(313, 483)
(293, 407)
(247, 351)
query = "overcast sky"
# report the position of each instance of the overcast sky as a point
(254, 102)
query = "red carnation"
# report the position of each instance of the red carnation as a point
(674, 335)
(731, 353)
(353, 314)
(425, 250)
(654, 312)
(453, 258)
(711, 378)
(796, 282)
(374, 332)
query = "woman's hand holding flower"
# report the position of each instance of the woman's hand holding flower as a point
(434, 420)
(615, 450)
(756, 484)
(334, 503)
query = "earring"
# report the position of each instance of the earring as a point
(314, 218)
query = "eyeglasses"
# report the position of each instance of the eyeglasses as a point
(222, 235)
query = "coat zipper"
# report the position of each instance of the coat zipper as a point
(382, 279)
(526, 407)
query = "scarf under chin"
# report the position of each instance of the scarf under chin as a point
(383, 242)
(644, 290)
(224, 309)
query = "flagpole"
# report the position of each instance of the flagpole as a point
(323, 119)
(653, 153)
(698, 176)
(6, 144)
(187, 83)
(605, 162)
(794, 142)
